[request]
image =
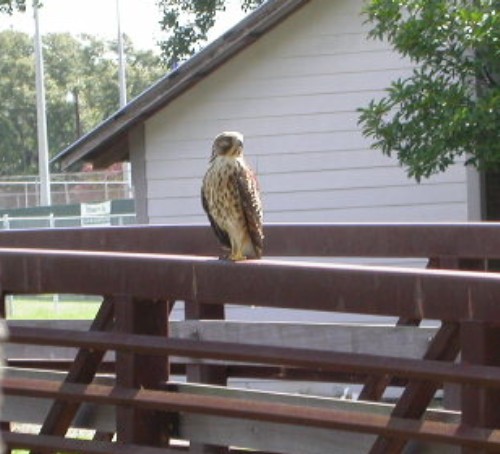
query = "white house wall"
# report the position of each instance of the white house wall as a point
(294, 95)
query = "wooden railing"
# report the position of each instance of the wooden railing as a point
(142, 271)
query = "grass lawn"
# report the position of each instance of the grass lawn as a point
(47, 307)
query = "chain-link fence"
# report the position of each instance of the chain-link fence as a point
(66, 188)
(113, 212)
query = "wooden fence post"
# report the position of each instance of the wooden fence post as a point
(199, 373)
(480, 346)
(3, 335)
(133, 370)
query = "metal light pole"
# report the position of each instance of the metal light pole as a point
(122, 80)
(121, 59)
(43, 146)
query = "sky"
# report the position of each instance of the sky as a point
(139, 19)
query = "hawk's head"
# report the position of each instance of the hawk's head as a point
(229, 143)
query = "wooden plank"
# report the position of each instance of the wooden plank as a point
(31, 410)
(53, 443)
(299, 440)
(296, 239)
(432, 294)
(275, 437)
(395, 341)
(102, 417)
(437, 432)
(345, 405)
(431, 370)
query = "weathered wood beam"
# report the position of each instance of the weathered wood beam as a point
(435, 371)
(473, 240)
(265, 411)
(431, 294)
(139, 370)
(481, 345)
(203, 373)
(402, 341)
(56, 444)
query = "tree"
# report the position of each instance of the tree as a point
(17, 109)
(188, 22)
(9, 6)
(81, 90)
(450, 106)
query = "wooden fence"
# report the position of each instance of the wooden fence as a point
(142, 271)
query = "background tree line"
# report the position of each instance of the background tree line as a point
(81, 80)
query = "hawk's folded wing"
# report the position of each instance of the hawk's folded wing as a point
(248, 189)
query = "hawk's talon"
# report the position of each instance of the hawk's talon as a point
(237, 257)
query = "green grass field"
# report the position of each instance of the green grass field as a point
(47, 307)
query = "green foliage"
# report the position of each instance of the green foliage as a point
(18, 108)
(81, 90)
(188, 23)
(450, 106)
(9, 6)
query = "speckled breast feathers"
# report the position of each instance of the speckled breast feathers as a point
(231, 199)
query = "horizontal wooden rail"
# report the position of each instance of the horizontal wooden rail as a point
(418, 294)
(293, 357)
(140, 271)
(264, 411)
(466, 240)
(402, 341)
(15, 440)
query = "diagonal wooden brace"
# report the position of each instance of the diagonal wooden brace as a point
(83, 370)
(417, 395)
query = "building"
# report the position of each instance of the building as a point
(290, 76)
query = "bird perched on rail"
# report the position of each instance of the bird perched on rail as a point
(230, 196)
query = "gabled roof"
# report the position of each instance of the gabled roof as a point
(108, 142)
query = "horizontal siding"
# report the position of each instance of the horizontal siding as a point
(324, 64)
(180, 152)
(264, 98)
(277, 111)
(421, 213)
(271, 163)
(282, 120)
(330, 199)
(295, 94)
(388, 177)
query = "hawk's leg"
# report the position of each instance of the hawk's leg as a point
(236, 250)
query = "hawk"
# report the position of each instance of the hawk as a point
(230, 197)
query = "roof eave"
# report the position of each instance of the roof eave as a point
(178, 81)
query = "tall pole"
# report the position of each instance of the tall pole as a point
(121, 59)
(43, 146)
(122, 80)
